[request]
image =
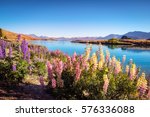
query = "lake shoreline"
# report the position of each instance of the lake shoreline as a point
(121, 42)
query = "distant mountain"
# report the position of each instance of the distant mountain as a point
(112, 36)
(41, 37)
(134, 35)
(138, 35)
(33, 35)
(13, 36)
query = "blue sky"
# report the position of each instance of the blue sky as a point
(73, 18)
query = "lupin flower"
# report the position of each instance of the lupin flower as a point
(113, 61)
(85, 64)
(87, 53)
(107, 56)
(110, 62)
(50, 70)
(133, 71)
(94, 61)
(117, 67)
(69, 63)
(77, 71)
(24, 47)
(142, 84)
(1, 53)
(41, 79)
(3, 47)
(106, 83)
(53, 83)
(59, 68)
(100, 65)
(102, 58)
(14, 67)
(127, 69)
(74, 57)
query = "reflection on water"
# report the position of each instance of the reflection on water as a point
(140, 56)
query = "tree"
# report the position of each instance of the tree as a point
(124, 37)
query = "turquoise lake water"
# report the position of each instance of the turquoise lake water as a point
(140, 57)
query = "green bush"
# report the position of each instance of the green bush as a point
(10, 76)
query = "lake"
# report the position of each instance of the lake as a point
(140, 56)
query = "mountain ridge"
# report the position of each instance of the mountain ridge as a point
(132, 34)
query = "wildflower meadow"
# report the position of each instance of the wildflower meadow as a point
(90, 76)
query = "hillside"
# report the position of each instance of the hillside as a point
(13, 36)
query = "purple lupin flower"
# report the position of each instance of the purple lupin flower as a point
(1, 53)
(10, 52)
(3, 48)
(24, 48)
(14, 67)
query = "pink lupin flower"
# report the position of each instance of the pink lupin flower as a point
(53, 83)
(50, 70)
(69, 62)
(77, 71)
(113, 60)
(74, 57)
(110, 62)
(58, 67)
(106, 83)
(107, 56)
(41, 79)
